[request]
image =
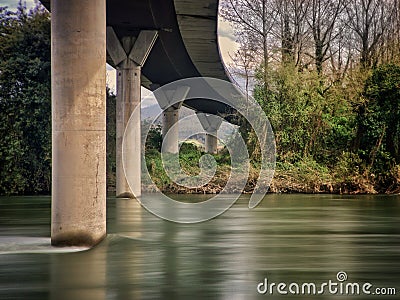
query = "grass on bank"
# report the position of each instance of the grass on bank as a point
(348, 175)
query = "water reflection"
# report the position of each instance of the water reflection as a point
(289, 238)
(79, 276)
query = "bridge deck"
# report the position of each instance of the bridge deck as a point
(187, 45)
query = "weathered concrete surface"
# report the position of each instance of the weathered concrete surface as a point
(211, 124)
(170, 141)
(129, 54)
(170, 102)
(78, 122)
(211, 144)
(198, 22)
(128, 99)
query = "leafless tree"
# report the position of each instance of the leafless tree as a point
(244, 64)
(347, 33)
(291, 30)
(369, 20)
(341, 52)
(389, 46)
(254, 19)
(322, 19)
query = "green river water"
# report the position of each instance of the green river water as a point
(290, 239)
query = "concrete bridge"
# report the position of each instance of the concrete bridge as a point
(151, 43)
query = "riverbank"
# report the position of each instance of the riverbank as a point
(306, 176)
(285, 182)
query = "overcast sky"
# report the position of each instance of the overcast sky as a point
(12, 4)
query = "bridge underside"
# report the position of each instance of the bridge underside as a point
(187, 43)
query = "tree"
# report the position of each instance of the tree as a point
(290, 31)
(254, 20)
(244, 64)
(322, 21)
(381, 117)
(369, 20)
(390, 43)
(25, 127)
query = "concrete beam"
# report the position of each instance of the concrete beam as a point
(172, 98)
(211, 124)
(78, 82)
(114, 47)
(143, 45)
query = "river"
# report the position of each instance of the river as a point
(288, 239)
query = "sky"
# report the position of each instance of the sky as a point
(12, 4)
(226, 41)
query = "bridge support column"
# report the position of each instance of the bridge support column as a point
(128, 99)
(129, 55)
(211, 124)
(170, 118)
(78, 57)
(171, 102)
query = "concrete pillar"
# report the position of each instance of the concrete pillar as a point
(211, 143)
(120, 182)
(78, 82)
(128, 99)
(170, 141)
(129, 55)
(211, 124)
(171, 102)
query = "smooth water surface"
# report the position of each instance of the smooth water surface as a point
(288, 238)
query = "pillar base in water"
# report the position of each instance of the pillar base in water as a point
(126, 195)
(77, 238)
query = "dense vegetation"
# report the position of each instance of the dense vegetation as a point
(336, 119)
(25, 127)
(189, 157)
(327, 75)
(25, 104)
(342, 139)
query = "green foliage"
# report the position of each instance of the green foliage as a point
(348, 166)
(306, 171)
(381, 113)
(156, 169)
(378, 122)
(351, 128)
(189, 157)
(223, 157)
(154, 138)
(25, 128)
(306, 115)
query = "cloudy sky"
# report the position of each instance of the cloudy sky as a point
(12, 4)
(225, 31)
